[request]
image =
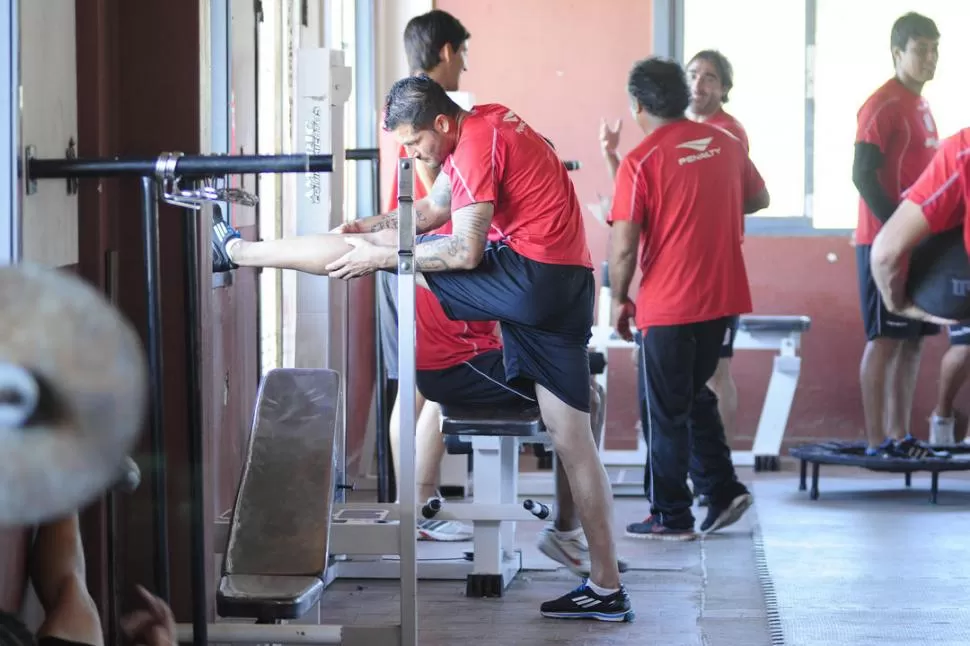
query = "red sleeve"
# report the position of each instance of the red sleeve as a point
(753, 182)
(475, 168)
(877, 122)
(939, 191)
(629, 192)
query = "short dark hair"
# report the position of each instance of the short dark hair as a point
(425, 35)
(659, 85)
(416, 101)
(725, 72)
(909, 26)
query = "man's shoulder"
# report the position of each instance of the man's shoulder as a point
(886, 97)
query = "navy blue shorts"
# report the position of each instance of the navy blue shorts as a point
(546, 312)
(959, 334)
(479, 381)
(727, 348)
(878, 321)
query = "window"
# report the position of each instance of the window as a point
(852, 59)
(769, 84)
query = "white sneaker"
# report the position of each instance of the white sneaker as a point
(572, 551)
(445, 531)
(941, 431)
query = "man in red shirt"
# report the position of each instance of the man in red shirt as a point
(711, 77)
(895, 140)
(937, 202)
(679, 197)
(497, 173)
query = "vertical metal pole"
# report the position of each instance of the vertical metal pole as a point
(149, 206)
(407, 390)
(190, 240)
(10, 184)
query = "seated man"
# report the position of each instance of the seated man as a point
(682, 207)
(935, 203)
(538, 282)
(57, 572)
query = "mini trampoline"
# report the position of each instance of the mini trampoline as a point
(852, 454)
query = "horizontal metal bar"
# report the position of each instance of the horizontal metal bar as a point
(187, 166)
(362, 154)
(465, 511)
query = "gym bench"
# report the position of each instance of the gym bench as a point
(275, 563)
(494, 436)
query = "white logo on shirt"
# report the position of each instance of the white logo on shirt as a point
(701, 146)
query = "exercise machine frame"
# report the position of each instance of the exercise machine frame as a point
(168, 167)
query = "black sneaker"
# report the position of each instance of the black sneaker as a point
(222, 233)
(910, 447)
(583, 603)
(703, 500)
(651, 527)
(720, 516)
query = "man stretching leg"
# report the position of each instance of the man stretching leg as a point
(538, 282)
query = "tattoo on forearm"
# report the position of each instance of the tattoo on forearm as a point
(448, 252)
(388, 221)
(461, 250)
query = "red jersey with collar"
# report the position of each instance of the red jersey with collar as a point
(500, 159)
(943, 190)
(686, 185)
(901, 125)
(441, 342)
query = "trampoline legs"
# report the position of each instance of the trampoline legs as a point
(934, 486)
(909, 479)
(803, 471)
(813, 494)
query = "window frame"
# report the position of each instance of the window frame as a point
(668, 37)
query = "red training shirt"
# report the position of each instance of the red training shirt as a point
(901, 125)
(441, 342)
(722, 119)
(943, 190)
(686, 184)
(500, 159)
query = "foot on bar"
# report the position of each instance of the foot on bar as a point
(585, 603)
(222, 236)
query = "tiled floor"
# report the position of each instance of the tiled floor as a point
(869, 563)
(703, 593)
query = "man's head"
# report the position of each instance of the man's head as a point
(423, 118)
(711, 77)
(437, 45)
(658, 92)
(915, 45)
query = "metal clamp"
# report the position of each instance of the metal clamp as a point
(168, 183)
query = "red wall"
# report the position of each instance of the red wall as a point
(562, 65)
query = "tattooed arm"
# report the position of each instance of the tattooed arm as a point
(429, 213)
(463, 249)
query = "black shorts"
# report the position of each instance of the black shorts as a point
(959, 334)
(478, 382)
(878, 321)
(727, 348)
(546, 312)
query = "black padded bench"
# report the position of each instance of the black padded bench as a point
(276, 557)
(783, 324)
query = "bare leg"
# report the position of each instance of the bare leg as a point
(394, 430)
(309, 254)
(954, 370)
(722, 383)
(430, 448)
(566, 518)
(902, 386)
(572, 439)
(873, 371)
